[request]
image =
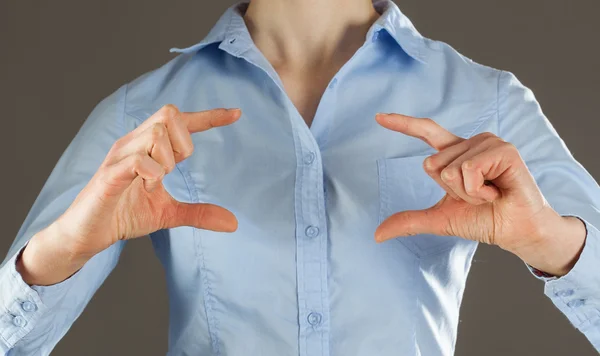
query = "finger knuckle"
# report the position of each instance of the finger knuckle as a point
(136, 160)
(169, 167)
(170, 119)
(107, 174)
(111, 157)
(490, 139)
(429, 121)
(471, 190)
(110, 160)
(169, 111)
(428, 124)
(159, 131)
(118, 145)
(486, 135)
(187, 151)
(508, 146)
(116, 149)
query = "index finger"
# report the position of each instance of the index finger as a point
(425, 129)
(204, 120)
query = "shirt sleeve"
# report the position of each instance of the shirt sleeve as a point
(34, 318)
(568, 188)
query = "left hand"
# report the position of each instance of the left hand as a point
(491, 197)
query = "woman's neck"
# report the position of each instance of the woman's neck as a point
(309, 32)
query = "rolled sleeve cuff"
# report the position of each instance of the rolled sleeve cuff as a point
(22, 306)
(577, 294)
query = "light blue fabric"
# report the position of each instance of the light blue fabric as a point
(303, 274)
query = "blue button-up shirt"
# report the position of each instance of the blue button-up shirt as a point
(303, 275)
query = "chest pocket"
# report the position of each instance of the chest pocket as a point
(404, 185)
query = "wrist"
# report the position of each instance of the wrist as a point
(49, 258)
(557, 244)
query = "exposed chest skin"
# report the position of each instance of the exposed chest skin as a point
(305, 89)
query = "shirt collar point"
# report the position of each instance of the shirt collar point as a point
(217, 34)
(401, 29)
(191, 49)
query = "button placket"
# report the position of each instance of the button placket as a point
(311, 244)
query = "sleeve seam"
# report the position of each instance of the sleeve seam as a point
(122, 109)
(498, 102)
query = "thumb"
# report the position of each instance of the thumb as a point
(202, 216)
(411, 222)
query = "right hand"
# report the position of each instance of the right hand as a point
(126, 198)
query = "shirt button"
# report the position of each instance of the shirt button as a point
(576, 303)
(28, 306)
(333, 83)
(18, 321)
(314, 319)
(375, 36)
(312, 231)
(565, 293)
(309, 158)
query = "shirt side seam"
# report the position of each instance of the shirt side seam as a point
(498, 100)
(206, 286)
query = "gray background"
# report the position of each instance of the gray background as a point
(59, 58)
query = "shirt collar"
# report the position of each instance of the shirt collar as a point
(231, 27)
(394, 22)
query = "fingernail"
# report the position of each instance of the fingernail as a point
(447, 175)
